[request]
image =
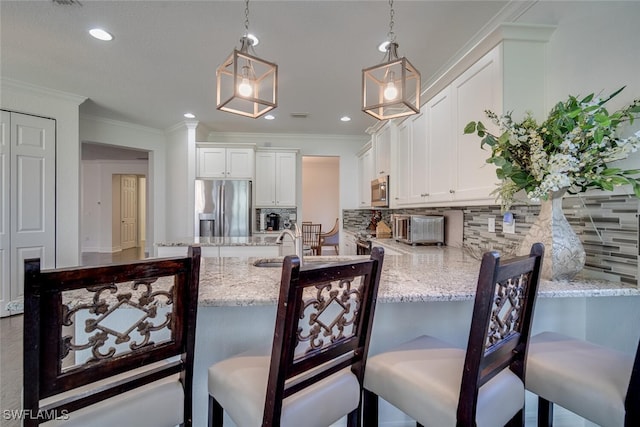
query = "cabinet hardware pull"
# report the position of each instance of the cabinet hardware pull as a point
(452, 191)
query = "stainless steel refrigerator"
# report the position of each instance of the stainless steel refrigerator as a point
(223, 208)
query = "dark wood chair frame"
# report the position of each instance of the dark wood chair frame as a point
(631, 401)
(311, 236)
(482, 361)
(363, 247)
(285, 365)
(44, 340)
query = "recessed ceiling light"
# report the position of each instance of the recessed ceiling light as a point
(382, 47)
(101, 34)
(254, 39)
(190, 115)
(269, 117)
(345, 118)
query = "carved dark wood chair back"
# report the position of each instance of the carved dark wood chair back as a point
(311, 237)
(85, 325)
(501, 325)
(323, 325)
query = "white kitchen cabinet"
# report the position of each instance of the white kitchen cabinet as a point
(412, 185)
(439, 138)
(365, 175)
(276, 173)
(382, 152)
(27, 210)
(401, 185)
(225, 162)
(476, 90)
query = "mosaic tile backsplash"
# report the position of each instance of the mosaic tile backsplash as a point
(607, 226)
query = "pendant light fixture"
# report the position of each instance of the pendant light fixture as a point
(392, 88)
(246, 84)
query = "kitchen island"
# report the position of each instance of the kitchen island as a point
(425, 290)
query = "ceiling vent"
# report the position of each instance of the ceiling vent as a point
(299, 115)
(67, 2)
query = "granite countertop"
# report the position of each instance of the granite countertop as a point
(255, 240)
(409, 274)
(431, 273)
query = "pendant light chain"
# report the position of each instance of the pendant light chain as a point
(391, 35)
(246, 17)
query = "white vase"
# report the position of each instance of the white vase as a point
(564, 254)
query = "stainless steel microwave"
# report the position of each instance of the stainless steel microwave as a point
(380, 192)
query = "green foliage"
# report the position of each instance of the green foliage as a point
(571, 149)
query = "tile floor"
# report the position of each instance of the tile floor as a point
(11, 343)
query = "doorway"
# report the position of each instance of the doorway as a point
(321, 190)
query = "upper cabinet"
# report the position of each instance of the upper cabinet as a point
(435, 162)
(365, 175)
(225, 162)
(276, 173)
(411, 184)
(382, 152)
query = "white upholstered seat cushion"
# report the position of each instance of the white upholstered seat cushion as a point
(423, 377)
(158, 404)
(582, 377)
(239, 384)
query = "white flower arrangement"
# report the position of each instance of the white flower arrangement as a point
(570, 150)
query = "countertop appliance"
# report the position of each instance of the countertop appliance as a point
(273, 221)
(414, 229)
(380, 192)
(222, 208)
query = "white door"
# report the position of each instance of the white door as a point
(5, 225)
(128, 211)
(31, 174)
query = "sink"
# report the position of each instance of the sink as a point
(267, 263)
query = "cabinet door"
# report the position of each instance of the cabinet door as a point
(240, 163)
(365, 175)
(382, 151)
(476, 90)
(441, 146)
(402, 179)
(418, 161)
(211, 162)
(285, 179)
(265, 184)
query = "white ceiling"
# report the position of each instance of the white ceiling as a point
(162, 61)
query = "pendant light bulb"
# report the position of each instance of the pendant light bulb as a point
(244, 88)
(390, 90)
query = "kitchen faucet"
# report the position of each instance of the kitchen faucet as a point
(296, 237)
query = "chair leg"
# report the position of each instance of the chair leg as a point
(369, 408)
(545, 413)
(517, 420)
(216, 413)
(353, 418)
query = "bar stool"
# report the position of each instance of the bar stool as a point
(437, 384)
(313, 376)
(594, 382)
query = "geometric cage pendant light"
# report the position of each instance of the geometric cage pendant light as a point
(392, 88)
(246, 84)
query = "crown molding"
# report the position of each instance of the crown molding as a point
(40, 91)
(122, 124)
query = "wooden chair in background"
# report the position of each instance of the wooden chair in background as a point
(111, 345)
(314, 374)
(311, 237)
(331, 238)
(438, 384)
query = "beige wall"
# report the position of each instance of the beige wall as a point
(321, 190)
